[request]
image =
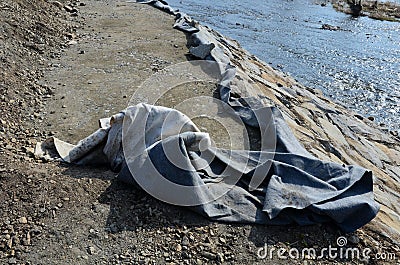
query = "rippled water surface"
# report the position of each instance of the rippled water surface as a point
(358, 66)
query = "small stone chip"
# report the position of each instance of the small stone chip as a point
(178, 248)
(23, 220)
(91, 250)
(209, 255)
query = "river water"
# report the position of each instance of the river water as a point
(357, 66)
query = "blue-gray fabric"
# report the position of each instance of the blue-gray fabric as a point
(296, 187)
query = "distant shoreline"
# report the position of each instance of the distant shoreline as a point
(388, 11)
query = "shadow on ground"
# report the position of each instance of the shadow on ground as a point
(131, 208)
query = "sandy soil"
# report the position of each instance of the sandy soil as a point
(64, 65)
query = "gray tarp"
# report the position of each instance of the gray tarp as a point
(282, 186)
(296, 187)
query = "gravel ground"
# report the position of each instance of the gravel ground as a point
(52, 213)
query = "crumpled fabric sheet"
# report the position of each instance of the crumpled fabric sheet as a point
(296, 187)
(293, 186)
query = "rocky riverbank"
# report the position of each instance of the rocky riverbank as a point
(66, 64)
(381, 10)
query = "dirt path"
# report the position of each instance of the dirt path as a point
(57, 214)
(106, 62)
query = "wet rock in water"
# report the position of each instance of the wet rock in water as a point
(356, 8)
(330, 27)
